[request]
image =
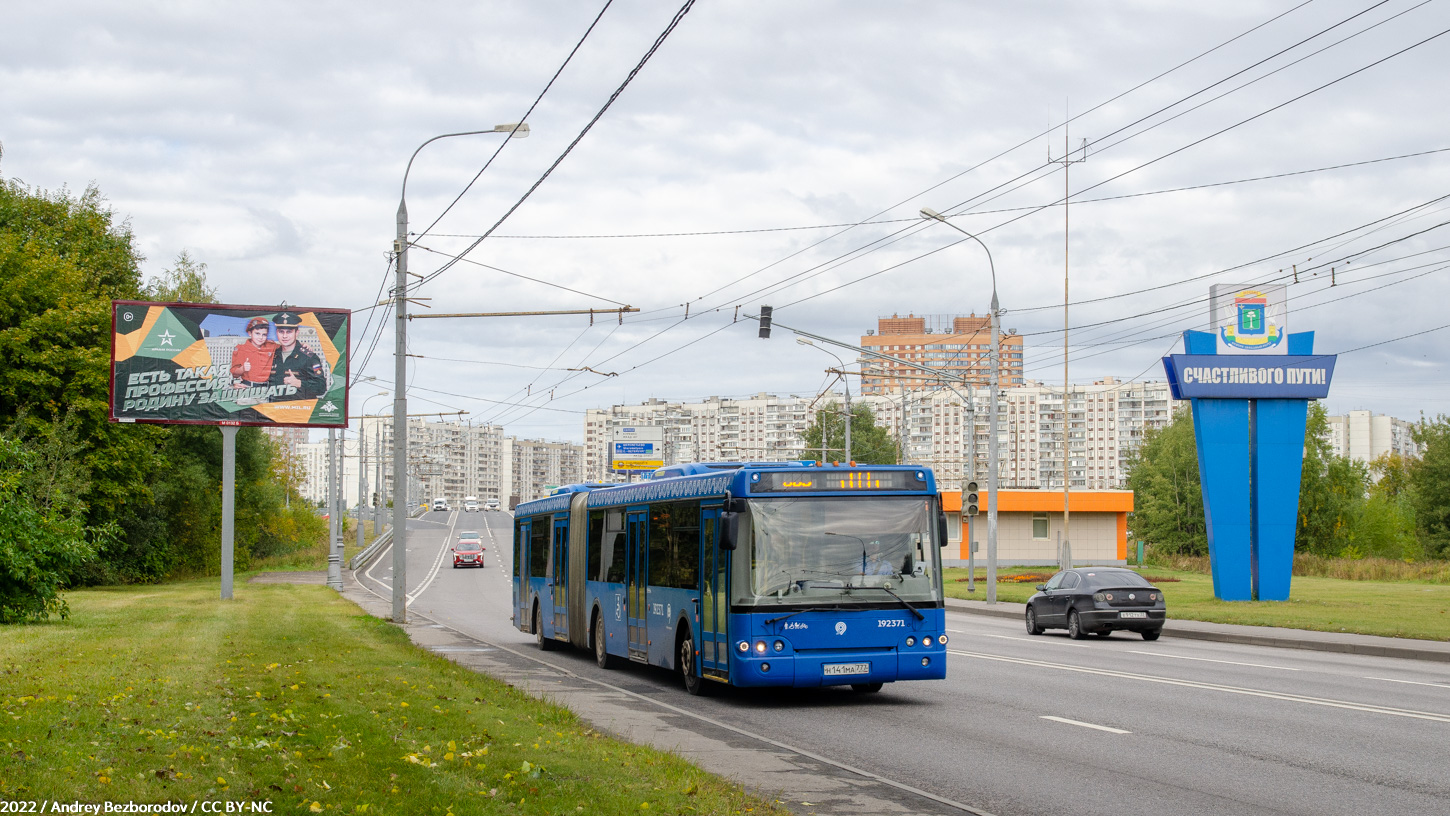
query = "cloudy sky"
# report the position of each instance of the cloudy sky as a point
(766, 153)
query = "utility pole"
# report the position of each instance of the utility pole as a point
(362, 483)
(1067, 161)
(400, 412)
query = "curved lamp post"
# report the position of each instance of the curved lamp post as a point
(400, 374)
(993, 359)
(847, 382)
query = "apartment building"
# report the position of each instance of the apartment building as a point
(761, 428)
(534, 467)
(956, 345)
(313, 457)
(1099, 428)
(1364, 436)
(446, 459)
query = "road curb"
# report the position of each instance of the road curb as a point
(1346, 643)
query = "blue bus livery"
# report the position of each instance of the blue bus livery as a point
(754, 574)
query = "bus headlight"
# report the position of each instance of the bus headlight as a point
(760, 647)
(779, 645)
(926, 641)
(910, 640)
(743, 647)
(942, 640)
(926, 661)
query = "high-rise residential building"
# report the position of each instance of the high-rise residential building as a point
(289, 437)
(1364, 436)
(1101, 427)
(958, 346)
(761, 428)
(313, 457)
(447, 459)
(535, 467)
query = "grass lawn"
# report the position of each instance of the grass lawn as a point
(291, 694)
(1409, 609)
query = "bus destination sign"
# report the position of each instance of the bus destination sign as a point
(820, 480)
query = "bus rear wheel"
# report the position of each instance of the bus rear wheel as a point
(601, 645)
(545, 644)
(866, 688)
(694, 683)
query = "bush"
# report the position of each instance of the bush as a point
(42, 537)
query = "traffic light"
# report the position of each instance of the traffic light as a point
(375, 499)
(970, 498)
(765, 322)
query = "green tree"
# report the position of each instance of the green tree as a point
(184, 282)
(1167, 492)
(1430, 485)
(870, 443)
(1331, 494)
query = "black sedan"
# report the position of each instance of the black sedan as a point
(1097, 600)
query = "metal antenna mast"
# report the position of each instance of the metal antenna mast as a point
(1067, 161)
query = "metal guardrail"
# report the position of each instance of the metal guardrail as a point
(378, 544)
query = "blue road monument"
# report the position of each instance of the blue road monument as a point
(1249, 382)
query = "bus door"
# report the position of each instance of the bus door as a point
(560, 577)
(521, 574)
(714, 597)
(637, 579)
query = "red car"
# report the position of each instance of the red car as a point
(468, 552)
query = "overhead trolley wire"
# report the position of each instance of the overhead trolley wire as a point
(675, 21)
(522, 119)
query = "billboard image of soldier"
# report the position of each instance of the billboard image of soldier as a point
(211, 364)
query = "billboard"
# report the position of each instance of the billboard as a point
(214, 364)
(637, 449)
(1249, 319)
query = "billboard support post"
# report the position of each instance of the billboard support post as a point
(229, 504)
(334, 522)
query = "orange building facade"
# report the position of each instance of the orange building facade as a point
(961, 350)
(1030, 526)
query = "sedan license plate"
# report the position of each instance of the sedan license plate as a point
(1132, 614)
(838, 669)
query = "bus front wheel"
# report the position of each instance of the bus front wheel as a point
(866, 688)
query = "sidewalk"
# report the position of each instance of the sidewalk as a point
(1344, 642)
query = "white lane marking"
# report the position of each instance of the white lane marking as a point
(1272, 695)
(1211, 660)
(1411, 682)
(1035, 640)
(1085, 724)
(438, 562)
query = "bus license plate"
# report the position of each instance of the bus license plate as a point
(838, 669)
(1132, 614)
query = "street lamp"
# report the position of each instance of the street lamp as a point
(806, 342)
(400, 374)
(992, 357)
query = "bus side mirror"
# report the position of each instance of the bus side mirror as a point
(729, 530)
(941, 528)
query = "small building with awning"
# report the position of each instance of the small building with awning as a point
(1030, 527)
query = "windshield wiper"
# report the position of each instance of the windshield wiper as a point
(769, 621)
(888, 591)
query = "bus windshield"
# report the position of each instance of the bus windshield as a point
(829, 550)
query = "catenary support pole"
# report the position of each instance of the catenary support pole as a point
(400, 419)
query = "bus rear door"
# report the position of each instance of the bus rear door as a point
(637, 551)
(561, 577)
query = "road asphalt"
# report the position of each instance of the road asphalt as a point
(1346, 642)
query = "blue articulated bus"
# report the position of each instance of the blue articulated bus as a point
(754, 574)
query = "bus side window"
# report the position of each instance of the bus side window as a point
(539, 545)
(613, 547)
(594, 544)
(659, 545)
(519, 547)
(685, 542)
